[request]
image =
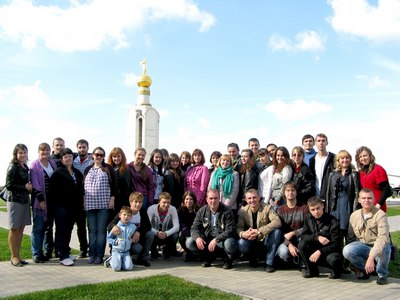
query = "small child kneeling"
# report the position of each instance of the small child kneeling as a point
(120, 256)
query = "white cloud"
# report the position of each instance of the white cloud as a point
(164, 113)
(25, 96)
(304, 41)
(297, 110)
(388, 64)
(380, 22)
(88, 26)
(372, 81)
(203, 122)
(130, 79)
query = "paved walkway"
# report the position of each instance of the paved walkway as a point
(242, 280)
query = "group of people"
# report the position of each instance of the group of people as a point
(258, 204)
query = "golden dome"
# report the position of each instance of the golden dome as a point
(144, 81)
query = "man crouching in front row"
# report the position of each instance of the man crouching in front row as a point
(320, 241)
(213, 232)
(259, 231)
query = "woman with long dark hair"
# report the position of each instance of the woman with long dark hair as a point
(283, 172)
(173, 180)
(19, 213)
(187, 213)
(156, 165)
(248, 175)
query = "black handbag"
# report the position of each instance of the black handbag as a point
(5, 194)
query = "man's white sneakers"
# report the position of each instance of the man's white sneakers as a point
(67, 262)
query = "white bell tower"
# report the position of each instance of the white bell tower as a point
(143, 119)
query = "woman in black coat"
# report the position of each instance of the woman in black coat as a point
(19, 213)
(66, 196)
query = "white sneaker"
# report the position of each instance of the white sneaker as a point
(72, 257)
(67, 262)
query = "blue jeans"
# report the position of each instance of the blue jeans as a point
(358, 252)
(37, 236)
(270, 243)
(229, 246)
(97, 224)
(121, 260)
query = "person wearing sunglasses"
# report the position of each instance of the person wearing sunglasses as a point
(100, 188)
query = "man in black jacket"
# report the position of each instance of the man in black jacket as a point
(320, 241)
(213, 230)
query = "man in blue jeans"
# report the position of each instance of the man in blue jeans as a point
(213, 231)
(369, 237)
(258, 229)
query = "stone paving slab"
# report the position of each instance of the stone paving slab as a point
(242, 280)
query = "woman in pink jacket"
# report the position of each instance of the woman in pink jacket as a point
(197, 177)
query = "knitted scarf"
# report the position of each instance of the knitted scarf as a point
(227, 176)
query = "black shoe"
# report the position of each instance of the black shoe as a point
(82, 254)
(381, 280)
(269, 269)
(363, 276)
(227, 264)
(47, 256)
(253, 263)
(143, 262)
(334, 275)
(189, 257)
(206, 264)
(346, 270)
(177, 254)
(38, 259)
(306, 274)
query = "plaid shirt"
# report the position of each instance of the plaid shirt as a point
(97, 189)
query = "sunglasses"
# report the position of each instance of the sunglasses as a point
(98, 154)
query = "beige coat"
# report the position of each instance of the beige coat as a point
(374, 231)
(267, 220)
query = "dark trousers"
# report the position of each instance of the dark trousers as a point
(332, 260)
(64, 223)
(80, 220)
(169, 242)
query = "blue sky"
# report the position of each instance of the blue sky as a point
(222, 71)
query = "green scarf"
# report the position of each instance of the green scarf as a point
(227, 176)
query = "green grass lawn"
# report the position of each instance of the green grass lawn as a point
(394, 266)
(393, 211)
(159, 287)
(5, 250)
(25, 247)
